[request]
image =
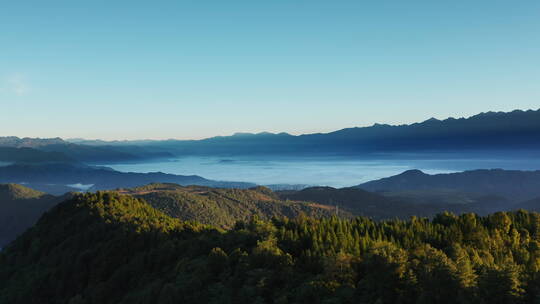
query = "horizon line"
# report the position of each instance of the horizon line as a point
(239, 133)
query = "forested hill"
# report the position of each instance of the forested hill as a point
(110, 248)
(21, 207)
(224, 207)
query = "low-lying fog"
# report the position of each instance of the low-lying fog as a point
(331, 171)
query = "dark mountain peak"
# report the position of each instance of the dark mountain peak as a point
(330, 194)
(432, 119)
(491, 114)
(378, 125)
(512, 114)
(284, 134)
(413, 173)
(319, 188)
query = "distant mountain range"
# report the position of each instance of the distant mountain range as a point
(55, 149)
(517, 130)
(27, 142)
(58, 178)
(512, 131)
(57, 166)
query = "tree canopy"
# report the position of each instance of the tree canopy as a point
(107, 247)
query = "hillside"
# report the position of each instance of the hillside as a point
(434, 196)
(110, 248)
(223, 207)
(511, 184)
(20, 208)
(381, 206)
(357, 202)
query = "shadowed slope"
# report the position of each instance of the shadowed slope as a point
(20, 208)
(511, 184)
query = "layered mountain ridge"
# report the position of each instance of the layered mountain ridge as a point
(486, 131)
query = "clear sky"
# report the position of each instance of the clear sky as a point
(193, 69)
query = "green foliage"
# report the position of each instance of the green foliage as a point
(112, 248)
(222, 207)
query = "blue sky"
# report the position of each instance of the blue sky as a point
(193, 69)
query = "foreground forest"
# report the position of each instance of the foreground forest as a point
(113, 248)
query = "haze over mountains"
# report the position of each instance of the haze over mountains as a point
(491, 130)
(171, 224)
(517, 130)
(52, 164)
(58, 178)
(56, 149)
(269, 152)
